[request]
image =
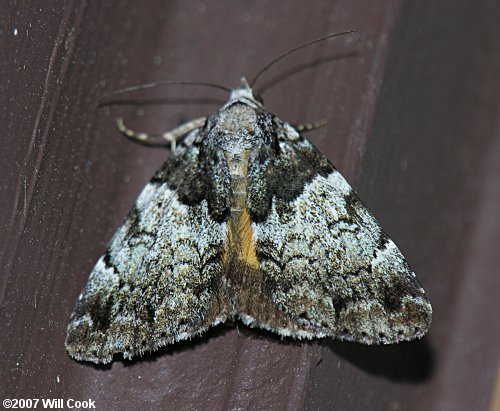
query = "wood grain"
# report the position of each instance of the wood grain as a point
(412, 102)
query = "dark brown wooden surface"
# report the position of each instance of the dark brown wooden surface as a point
(413, 102)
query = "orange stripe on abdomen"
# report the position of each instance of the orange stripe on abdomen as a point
(240, 242)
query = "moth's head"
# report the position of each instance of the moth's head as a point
(245, 94)
(237, 118)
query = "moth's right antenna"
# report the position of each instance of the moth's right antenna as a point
(266, 67)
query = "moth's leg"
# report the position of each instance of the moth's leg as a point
(310, 126)
(170, 137)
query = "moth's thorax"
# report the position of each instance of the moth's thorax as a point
(236, 133)
(237, 118)
(235, 128)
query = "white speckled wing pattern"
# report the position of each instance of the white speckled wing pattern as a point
(156, 284)
(332, 270)
(246, 220)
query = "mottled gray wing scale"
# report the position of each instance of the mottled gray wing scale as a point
(329, 266)
(158, 282)
(325, 267)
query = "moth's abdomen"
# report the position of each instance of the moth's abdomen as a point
(240, 242)
(247, 289)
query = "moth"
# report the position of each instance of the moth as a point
(246, 220)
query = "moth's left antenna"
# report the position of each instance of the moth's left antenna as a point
(156, 84)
